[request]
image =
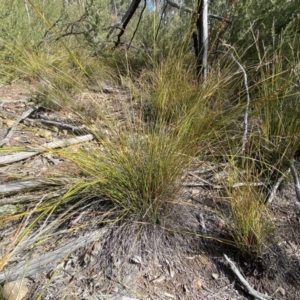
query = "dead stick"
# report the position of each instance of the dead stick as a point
(251, 291)
(13, 187)
(276, 186)
(11, 130)
(296, 180)
(39, 264)
(7, 159)
(206, 183)
(74, 129)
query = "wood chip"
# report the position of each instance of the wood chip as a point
(15, 290)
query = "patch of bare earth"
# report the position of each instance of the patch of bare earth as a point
(132, 260)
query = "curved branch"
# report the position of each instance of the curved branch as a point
(191, 11)
(138, 24)
(124, 22)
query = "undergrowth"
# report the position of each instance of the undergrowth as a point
(135, 168)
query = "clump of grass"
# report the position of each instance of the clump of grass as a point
(138, 173)
(275, 138)
(249, 222)
(250, 225)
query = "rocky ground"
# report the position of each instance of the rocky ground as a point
(129, 260)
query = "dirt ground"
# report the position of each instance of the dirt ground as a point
(133, 260)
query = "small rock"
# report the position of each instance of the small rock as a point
(281, 291)
(215, 276)
(9, 123)
(15, 290)
(197, 284)
(136, 260)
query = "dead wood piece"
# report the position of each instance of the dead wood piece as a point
(276, 186)
(73, 129)
(191, 11)
(296, 180)
(250, 290)
(11, 131)
(206, 183)
(22, 100)
(31, 198)
(125, 20)
(13, 187)
(41, 263)
(10, 158)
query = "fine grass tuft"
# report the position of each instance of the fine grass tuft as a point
(249, 222)
(137, 173)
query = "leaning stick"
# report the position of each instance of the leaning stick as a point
(11, 131)
(296, 179)
(251, 291)
(48, 260)
(10, 158)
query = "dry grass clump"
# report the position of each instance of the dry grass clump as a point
(247, 218)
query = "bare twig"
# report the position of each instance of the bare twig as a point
(246, 114)
(251, 291)
(276, 186)
(22, 100)
(191, 11)
(244, 140)
(39, 264)
(13, 187)
(124, 22)
(138, 24)
(296, 179)
(32, 198)
(7, 159)
(73, 129)
(11, 131)
(206, 183)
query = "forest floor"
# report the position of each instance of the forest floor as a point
(125, 261)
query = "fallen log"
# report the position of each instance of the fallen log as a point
(10, 158)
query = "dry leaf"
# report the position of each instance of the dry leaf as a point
(15, 290)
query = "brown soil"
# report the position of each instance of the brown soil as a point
(133, 259)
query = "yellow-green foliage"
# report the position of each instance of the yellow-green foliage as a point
(248, 222)
(138, 172)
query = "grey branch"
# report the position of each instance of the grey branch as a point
(11, 131)
(10, 158)
(73, 129)
(206, 183)
(255, 294)
(244, 140)
(276, 186)
(14, 187)
(48, 260)
(191, 11)
(296, 180)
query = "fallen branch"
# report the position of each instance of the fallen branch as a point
(11, 131)
(73, 129)
(22, 100)
(31, 198)
(10, 158)
(250, 290)
(296, 179)
(206, 183)
(41, 263)
(14, 187)
(276, 186)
